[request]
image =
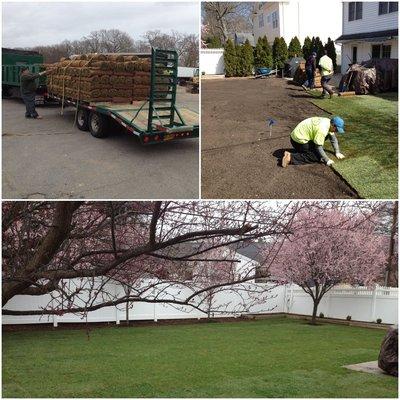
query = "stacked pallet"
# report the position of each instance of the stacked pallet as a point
(101, 77)
(300, 75)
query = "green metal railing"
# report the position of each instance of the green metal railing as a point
(164, 77)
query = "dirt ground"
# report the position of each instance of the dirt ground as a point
(240, 160)
(51, 158)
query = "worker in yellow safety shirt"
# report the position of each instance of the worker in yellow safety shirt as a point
(326, 68)
(308, 140)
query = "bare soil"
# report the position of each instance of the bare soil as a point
(240, 160)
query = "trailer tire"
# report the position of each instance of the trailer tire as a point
(5, 92)
(98, 125)
(82, 119)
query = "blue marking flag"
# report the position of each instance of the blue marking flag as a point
(271, 121)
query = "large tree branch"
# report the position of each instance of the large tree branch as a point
(142, 250)
(51, 242)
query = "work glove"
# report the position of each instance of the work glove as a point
(329, 163)
(340, 156)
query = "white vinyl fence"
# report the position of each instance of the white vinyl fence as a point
(361, 303)
(212, 61)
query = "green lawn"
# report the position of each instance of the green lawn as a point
(370, 142)
(267, 358)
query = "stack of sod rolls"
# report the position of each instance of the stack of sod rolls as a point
(300, 75)
(101, 77)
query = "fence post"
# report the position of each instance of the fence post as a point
(373, 305)
(117, 322)
(154, 313)
(284, 299)
(328, 304)
(55, 321)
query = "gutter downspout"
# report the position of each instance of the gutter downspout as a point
(298, 20)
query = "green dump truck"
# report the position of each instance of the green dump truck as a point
(12, 62)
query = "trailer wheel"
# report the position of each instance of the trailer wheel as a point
(82, 119)
(6, 92)
(98, 125)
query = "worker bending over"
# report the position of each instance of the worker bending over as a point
(308, 140)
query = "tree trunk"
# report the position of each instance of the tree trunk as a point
(314, 313)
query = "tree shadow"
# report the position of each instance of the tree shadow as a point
(302, 96)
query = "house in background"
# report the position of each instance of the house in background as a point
(370, 30)
(298, 18)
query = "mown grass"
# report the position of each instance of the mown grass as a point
(268, 358)
(370, 142)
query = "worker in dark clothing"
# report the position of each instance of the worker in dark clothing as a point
(311, 66)
(28, 91)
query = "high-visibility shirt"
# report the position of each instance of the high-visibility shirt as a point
(314, 129)
(326, 65)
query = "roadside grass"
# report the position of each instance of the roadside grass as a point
(369, 144)
(277, 357)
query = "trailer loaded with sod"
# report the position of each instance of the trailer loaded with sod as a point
(136, 91)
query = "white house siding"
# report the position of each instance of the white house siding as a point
(212, 61)
(364, 51)
(371, 21)
(267, 29)
(301, 19)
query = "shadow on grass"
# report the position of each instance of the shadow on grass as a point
(391, 96)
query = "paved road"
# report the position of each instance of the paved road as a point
(51, 158)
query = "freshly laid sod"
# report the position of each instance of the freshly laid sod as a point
(267, 358)
(370, 142)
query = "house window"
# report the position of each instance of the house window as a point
(268, 18)
(386, 7)
(354, 55)
(355, 10)
(381, 51)
(261, 20)
(274, 19)
(393, 6)
(376, 51)
(386, 51)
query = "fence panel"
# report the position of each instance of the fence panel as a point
(363, 304)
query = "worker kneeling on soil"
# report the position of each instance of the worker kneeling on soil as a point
(308, 140)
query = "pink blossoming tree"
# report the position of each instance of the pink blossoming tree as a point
(74, 252)
(327, 248)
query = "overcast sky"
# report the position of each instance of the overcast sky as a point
(31, 24)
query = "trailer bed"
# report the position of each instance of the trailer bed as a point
(134, 114)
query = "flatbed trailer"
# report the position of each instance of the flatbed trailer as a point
(155, 120)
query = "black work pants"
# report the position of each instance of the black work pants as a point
(29, 100)
(326, 88)
(305, 153)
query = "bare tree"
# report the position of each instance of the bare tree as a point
(186, 45)
(116, 41)
(225, 18)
